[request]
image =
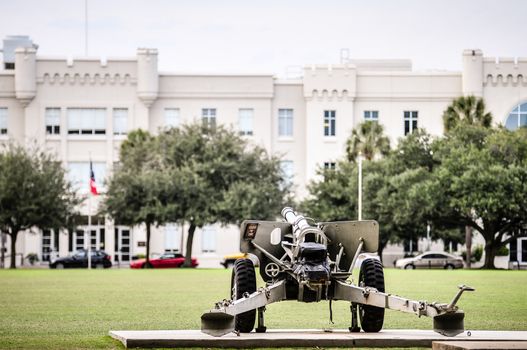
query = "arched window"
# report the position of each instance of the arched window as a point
(517, 118)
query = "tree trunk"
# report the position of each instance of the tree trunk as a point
(2, 251)
(380, 250)
(490, 254)
(147, 263)
(14, 234)
(188, 251)
(468, 244)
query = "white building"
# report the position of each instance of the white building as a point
(81, 109)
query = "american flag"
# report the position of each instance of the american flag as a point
(93, 185)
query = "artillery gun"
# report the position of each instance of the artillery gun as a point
(310, 263)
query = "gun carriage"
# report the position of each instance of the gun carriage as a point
(314, 262)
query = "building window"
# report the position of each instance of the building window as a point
(172, 238)
(79, 175)
(52, 121)
(285, 122)
(372, 116)
(172, 117)
(208, 239)
(86, 121)
(329, 123)
(288, 172)
(410, 121)
(517, 118)
(120, 121)
(330, 165)
(3, 121)
(246, 121)
(208, 117)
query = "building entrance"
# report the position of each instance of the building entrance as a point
(79, 238)
(123, 244)
(522, 250)
(49, 245)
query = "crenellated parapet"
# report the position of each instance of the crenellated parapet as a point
(86, 72)
(504, 71)
(86, 79)
(333, 95)
(330, 82)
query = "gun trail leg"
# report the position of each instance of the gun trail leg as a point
(261, 326)
(354, 319)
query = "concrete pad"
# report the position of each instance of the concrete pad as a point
(303, 338)
(479, 345)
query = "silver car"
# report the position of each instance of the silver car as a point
(431, 260)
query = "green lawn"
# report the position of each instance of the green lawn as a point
(54, 309)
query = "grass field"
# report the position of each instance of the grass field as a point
(66, 309)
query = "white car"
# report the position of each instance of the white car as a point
(431, 260)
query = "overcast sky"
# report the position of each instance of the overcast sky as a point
(268, 36)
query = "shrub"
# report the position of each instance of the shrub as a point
(477, 253)
(32, 258)
(503, 251)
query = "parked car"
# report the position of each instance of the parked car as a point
(99, 259)
(166, 260)
(431, 260)
(228, 260)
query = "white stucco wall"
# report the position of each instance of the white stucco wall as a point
(387, 86)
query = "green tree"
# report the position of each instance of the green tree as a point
(221, 178)
(138, 189)
(387, 202)
(466, 109)
(34, 193)
(388, 186)
(388, 183)
(368, 139)
(334, 196)
(481, 182)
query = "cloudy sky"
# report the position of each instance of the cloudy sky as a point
(269, 36)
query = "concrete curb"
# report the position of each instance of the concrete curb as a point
(479, 345)
(303, 338)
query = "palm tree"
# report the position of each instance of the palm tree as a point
(368, 139)
(468, 109)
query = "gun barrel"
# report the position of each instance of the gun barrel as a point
(298, 221)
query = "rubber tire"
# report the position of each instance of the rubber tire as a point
(147, 266)
(371, 275)
(244, 278)
(59, 266)
(450, 267)
(409, 267)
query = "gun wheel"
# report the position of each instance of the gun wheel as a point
(243, 281)
(371, 275)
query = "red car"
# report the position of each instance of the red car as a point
(166, 260)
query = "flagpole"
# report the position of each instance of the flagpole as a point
(360, 188)
(89, 219)
(89, 230)
(93, 192)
